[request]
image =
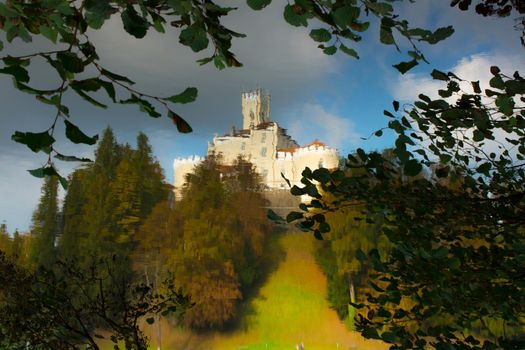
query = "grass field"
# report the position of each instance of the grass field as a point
(290, 308)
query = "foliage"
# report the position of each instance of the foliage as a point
(219, 234)
(67, 307)
(45, 225)
(109, 199)
(457, 235)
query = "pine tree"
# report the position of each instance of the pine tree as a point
(5, 240)
(74, 230)
(45, 228)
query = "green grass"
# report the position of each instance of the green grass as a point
(290, 308)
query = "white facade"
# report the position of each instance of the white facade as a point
(264, 144)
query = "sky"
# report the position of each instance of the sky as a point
(336, 99)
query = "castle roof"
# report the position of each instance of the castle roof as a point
(316, 143)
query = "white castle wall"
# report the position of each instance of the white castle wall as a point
(182, 167)
(266, 145)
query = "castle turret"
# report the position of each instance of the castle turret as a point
(255, 108)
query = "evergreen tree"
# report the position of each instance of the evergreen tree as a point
(5, 240)
(17, 247)
(45, 228)
(74, 230)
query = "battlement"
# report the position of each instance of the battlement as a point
(188, 160)
(315, 147)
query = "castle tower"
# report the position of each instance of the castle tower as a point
(255, 108)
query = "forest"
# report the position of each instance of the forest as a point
(121, 250)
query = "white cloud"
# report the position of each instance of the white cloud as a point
(472, 68)
(475, 67)
(314, 121)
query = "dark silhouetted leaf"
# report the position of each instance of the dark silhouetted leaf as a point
(348, 51)
(70, 62)
(187, 96)
(195, 37)
(320, 35)
(75, 135)
(133, 23)
(35, 141)
(18, 72)
(438, 75)
(258, 4)
(404, 67)
(294, 215)
(412, 167)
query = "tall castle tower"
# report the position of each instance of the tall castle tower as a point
(255, 108)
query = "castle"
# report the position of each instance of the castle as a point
(264, 143)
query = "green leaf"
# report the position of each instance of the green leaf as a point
(182, 125)
(296, 190)
(381, 8)
(9, 12)
(35, 141)
(322, 175)
(258, 4)
(404, 67)
(294, 215)
(389, 337)
(497, 82)
(349, 51)
(49, 171)
(114, 76)
(187, 96)
(195, 37)
(150, 320)
(370, 333)
(88, 98)
(71, 158)
(49, 33)
(97, 12)
(412, 167)
(345, 15)
(110, 89)
(505, 104)
(18, 72)
(318, 236)
(385, 32)
(70, 61)
(320, 35)
(293, 18)
(133, 23)
(330, 50)
(484, 168)
(440, 34)
(75, 135)
(144, 105)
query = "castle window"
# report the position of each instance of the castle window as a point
(263, 152)
(265, 173)
(243, 146)
(263, 138)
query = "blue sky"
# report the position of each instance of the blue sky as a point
(336, 99)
